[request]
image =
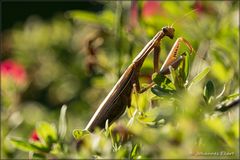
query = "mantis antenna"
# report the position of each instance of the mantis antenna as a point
(184, 16)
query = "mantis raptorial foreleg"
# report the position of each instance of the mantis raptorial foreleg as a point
(171, 60)
(172, 56)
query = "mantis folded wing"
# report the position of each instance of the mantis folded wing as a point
(115, 103)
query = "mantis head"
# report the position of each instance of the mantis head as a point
(168, 31)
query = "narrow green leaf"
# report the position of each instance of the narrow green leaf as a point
(106, 18)
(62, 129)
(78, 134)
(186, 65)
(107, 130)
(24, 145)
(38, 156)
(232, 96)
(222, 92)
(200, 76)
(83, 16)
(173, 75)
(134, 151)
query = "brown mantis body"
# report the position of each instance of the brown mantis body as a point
(114, 105)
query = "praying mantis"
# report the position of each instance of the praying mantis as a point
(115, 103)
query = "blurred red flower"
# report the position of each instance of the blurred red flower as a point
(134, 14)
(34, 136)
(151, 8)
(14, 70)
(202, 7)
(198, 6)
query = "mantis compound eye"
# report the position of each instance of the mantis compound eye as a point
(164, 29)
(168, 31)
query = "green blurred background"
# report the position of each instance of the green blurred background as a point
(73, 53)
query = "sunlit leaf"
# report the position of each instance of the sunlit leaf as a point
(209, 91)
(222, 92)
(221, 72)
(232, 96)
(23, 145)
(235, 129)
(83, 16)
(134, 151)
(107, 129)
(186, 65)
(78, 134)
(199, 77)
(152, 118)
(106, 18)
(156, 123)
(217, 126)
(38, 156)
(56, 149)
(62, 122)
(173, 75)
(46, 132)
(28, 146)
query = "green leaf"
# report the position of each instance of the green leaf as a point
(56, 149)
(62, 129)
(152, 118)
(232, 96)
(173, 75)
(38, 156)
(164, 85)
(116, 147)
(217, 126)
(186, 65)
(42, 147)
(46, 132)
(176, 76)
(106, 18)
(159, 79)
(83, 16)
(160, 91)
(78, 134)
(222, 92)
(107, 129)
(134, 151)
(209, 91)
(24, 145)
(200, 76)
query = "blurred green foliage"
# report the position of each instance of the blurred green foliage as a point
(77, 57)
